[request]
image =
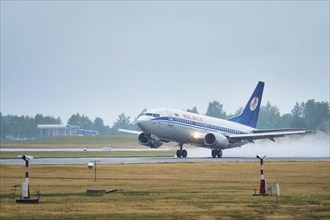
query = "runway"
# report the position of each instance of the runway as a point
(108, 149)
(143, 160)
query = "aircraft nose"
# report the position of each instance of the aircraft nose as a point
(141, 122)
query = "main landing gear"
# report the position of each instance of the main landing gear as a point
(216, 153)
(181, 152)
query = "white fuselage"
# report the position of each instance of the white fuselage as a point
(185, 127)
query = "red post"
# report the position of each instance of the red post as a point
(27, 178)
(262, 178)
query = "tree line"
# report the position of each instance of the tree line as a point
(309, 115)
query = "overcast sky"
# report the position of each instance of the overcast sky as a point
(107, 57)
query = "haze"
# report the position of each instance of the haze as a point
(107, 57)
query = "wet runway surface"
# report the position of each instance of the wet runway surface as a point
(75, 149)
(141, 160)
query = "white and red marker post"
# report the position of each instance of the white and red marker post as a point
(25, 186)
(27, 178)
(262, 189)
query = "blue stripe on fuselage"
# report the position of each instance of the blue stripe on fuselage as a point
(199, 125)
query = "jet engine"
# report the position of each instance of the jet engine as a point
(216, 140)
(149, 140)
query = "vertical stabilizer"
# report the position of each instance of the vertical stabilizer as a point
(250, 114)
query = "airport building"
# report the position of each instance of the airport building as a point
(58, 130)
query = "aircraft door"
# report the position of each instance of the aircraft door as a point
(170, 122)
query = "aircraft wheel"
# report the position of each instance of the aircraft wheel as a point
(184, 153)
(219, 153)
(178, 153)
(214, 153)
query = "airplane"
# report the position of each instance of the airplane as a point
(163, 125)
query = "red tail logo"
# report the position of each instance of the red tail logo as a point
(254, 103)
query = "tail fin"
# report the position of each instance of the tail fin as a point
(250, 114)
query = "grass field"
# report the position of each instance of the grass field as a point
(97, 154)
(170, 191)
(114, 141)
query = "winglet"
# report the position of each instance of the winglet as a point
(250, 114)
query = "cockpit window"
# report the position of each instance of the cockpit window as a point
(152, 114)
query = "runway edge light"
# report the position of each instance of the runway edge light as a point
(90, 165)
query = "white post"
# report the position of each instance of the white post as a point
(278, 192)
(25, 190)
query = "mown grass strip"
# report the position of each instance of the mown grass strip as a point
(91, 154)
(175, 191)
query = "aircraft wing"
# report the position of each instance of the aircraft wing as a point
(130, 131)
(267, 134)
